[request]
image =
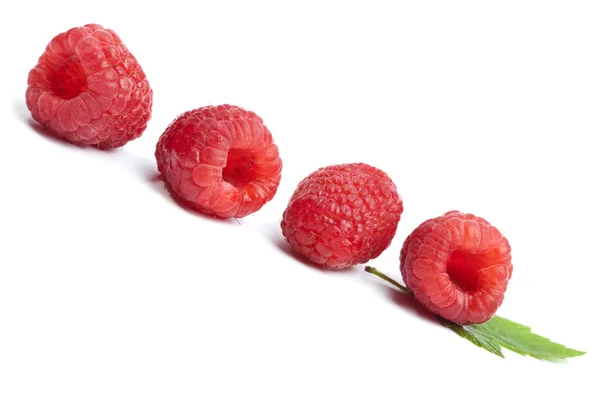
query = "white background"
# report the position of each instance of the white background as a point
(110, 290)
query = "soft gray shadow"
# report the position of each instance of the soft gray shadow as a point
(21, 111)
(276, 238)
(154, 179)
(409, 303)
(38, 128)
(404, 300)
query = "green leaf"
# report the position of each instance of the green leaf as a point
(518, 338)
(501, 332)
(476, 337)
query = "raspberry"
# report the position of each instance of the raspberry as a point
(220, 160)
(89, 90)
(458, 266)
(342, 215)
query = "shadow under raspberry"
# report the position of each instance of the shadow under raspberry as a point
(24, 115)
(276, 238)
(406, 301)
(409, 303)
(44, 133)
(157, 183)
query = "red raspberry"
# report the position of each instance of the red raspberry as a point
(342, 215)
(89, 90)
(220, 160)
(458, 266)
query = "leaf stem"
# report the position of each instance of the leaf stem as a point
(386, 278)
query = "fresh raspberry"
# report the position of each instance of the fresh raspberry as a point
(220, 160)
(342, 215)
(88, 89)
(458, 266)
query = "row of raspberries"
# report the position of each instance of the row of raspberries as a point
(88, 89)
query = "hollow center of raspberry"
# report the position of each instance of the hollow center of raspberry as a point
(69, 79)
(462, 269)
(239, 170)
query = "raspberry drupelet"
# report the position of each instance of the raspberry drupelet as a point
(220, 160)
(342, 215)
(458, 266)
(88, 89)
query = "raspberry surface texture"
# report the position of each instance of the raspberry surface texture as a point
(220, 160)
(88, 89)
(458, 266)
(342, 215)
